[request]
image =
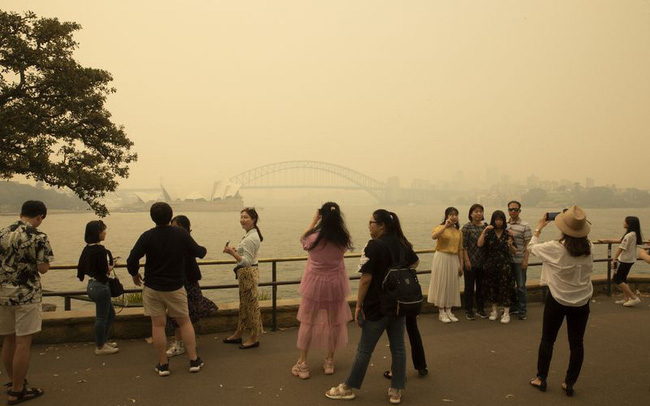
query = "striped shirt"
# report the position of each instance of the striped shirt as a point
(522, 234)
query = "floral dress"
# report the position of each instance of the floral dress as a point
(498, 282)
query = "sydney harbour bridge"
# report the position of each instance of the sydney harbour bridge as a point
(310, 175)
(290, 175)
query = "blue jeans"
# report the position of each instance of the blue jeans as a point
(370, 334)
(520, 278)
(104, 311)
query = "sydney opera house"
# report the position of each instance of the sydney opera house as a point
(224, 197)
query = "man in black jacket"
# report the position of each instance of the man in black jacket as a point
(165, 248)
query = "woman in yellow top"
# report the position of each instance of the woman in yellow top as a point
(444, 290)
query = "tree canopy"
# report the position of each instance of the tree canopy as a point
(53, 124)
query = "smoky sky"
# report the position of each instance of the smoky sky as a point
(414, 89)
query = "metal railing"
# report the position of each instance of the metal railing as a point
(81, 295)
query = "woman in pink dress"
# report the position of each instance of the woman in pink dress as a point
(324, 310)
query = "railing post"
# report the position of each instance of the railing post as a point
(274, 294)
(67, 303)
(609, 269)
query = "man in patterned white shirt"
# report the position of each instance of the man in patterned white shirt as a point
(522, 234)
(25, 254)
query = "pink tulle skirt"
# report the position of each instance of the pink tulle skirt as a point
(324, 311)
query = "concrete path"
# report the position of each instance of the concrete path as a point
(470, 362)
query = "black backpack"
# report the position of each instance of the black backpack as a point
(401, 286)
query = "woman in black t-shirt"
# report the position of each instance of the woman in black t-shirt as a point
(97, 262)
(374, 312)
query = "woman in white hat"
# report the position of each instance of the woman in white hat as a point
(567, 264)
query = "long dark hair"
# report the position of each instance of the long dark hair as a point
(93, 230)
(498, 214)
(576, 246)
(634, 225)
(252, 213)
(448, 211)
(392, 224)
(331, 227)
(184, 222)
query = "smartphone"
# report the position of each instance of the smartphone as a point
(551, 216)
(361, 319)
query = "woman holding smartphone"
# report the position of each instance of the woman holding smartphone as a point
(324, 311)
(499, 283)
(248, 275)
(97, 262)
(447, 267)
(567, 265)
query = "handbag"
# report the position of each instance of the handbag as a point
(115, 286)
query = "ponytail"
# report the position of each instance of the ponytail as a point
(252, 213)
(259, 232)
(393, 226)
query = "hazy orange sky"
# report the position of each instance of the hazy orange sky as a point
(416, 89)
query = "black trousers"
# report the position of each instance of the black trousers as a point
(576, 319)
(473, 277)
(417, 349)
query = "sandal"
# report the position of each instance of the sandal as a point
(567, 388)
(541, 385)
(395, 396)
(340, 393)
(8, 385)
(24, 395)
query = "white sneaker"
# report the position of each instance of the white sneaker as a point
(632, 302)
(451, 316)
(493, 315)
(620, 301)
(443, 317)
(111, 344)
(177, 348)
(505, 319)
(106, 350)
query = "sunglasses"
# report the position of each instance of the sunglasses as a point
(513, 209)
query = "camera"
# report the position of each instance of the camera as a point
(551, 216)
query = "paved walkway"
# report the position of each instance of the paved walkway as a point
(470, 363)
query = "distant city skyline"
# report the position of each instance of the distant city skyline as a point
(419, 90)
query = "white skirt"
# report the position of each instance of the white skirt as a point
(444, 290)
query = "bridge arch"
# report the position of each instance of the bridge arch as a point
(328, 176)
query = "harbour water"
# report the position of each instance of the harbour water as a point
(281, 228)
